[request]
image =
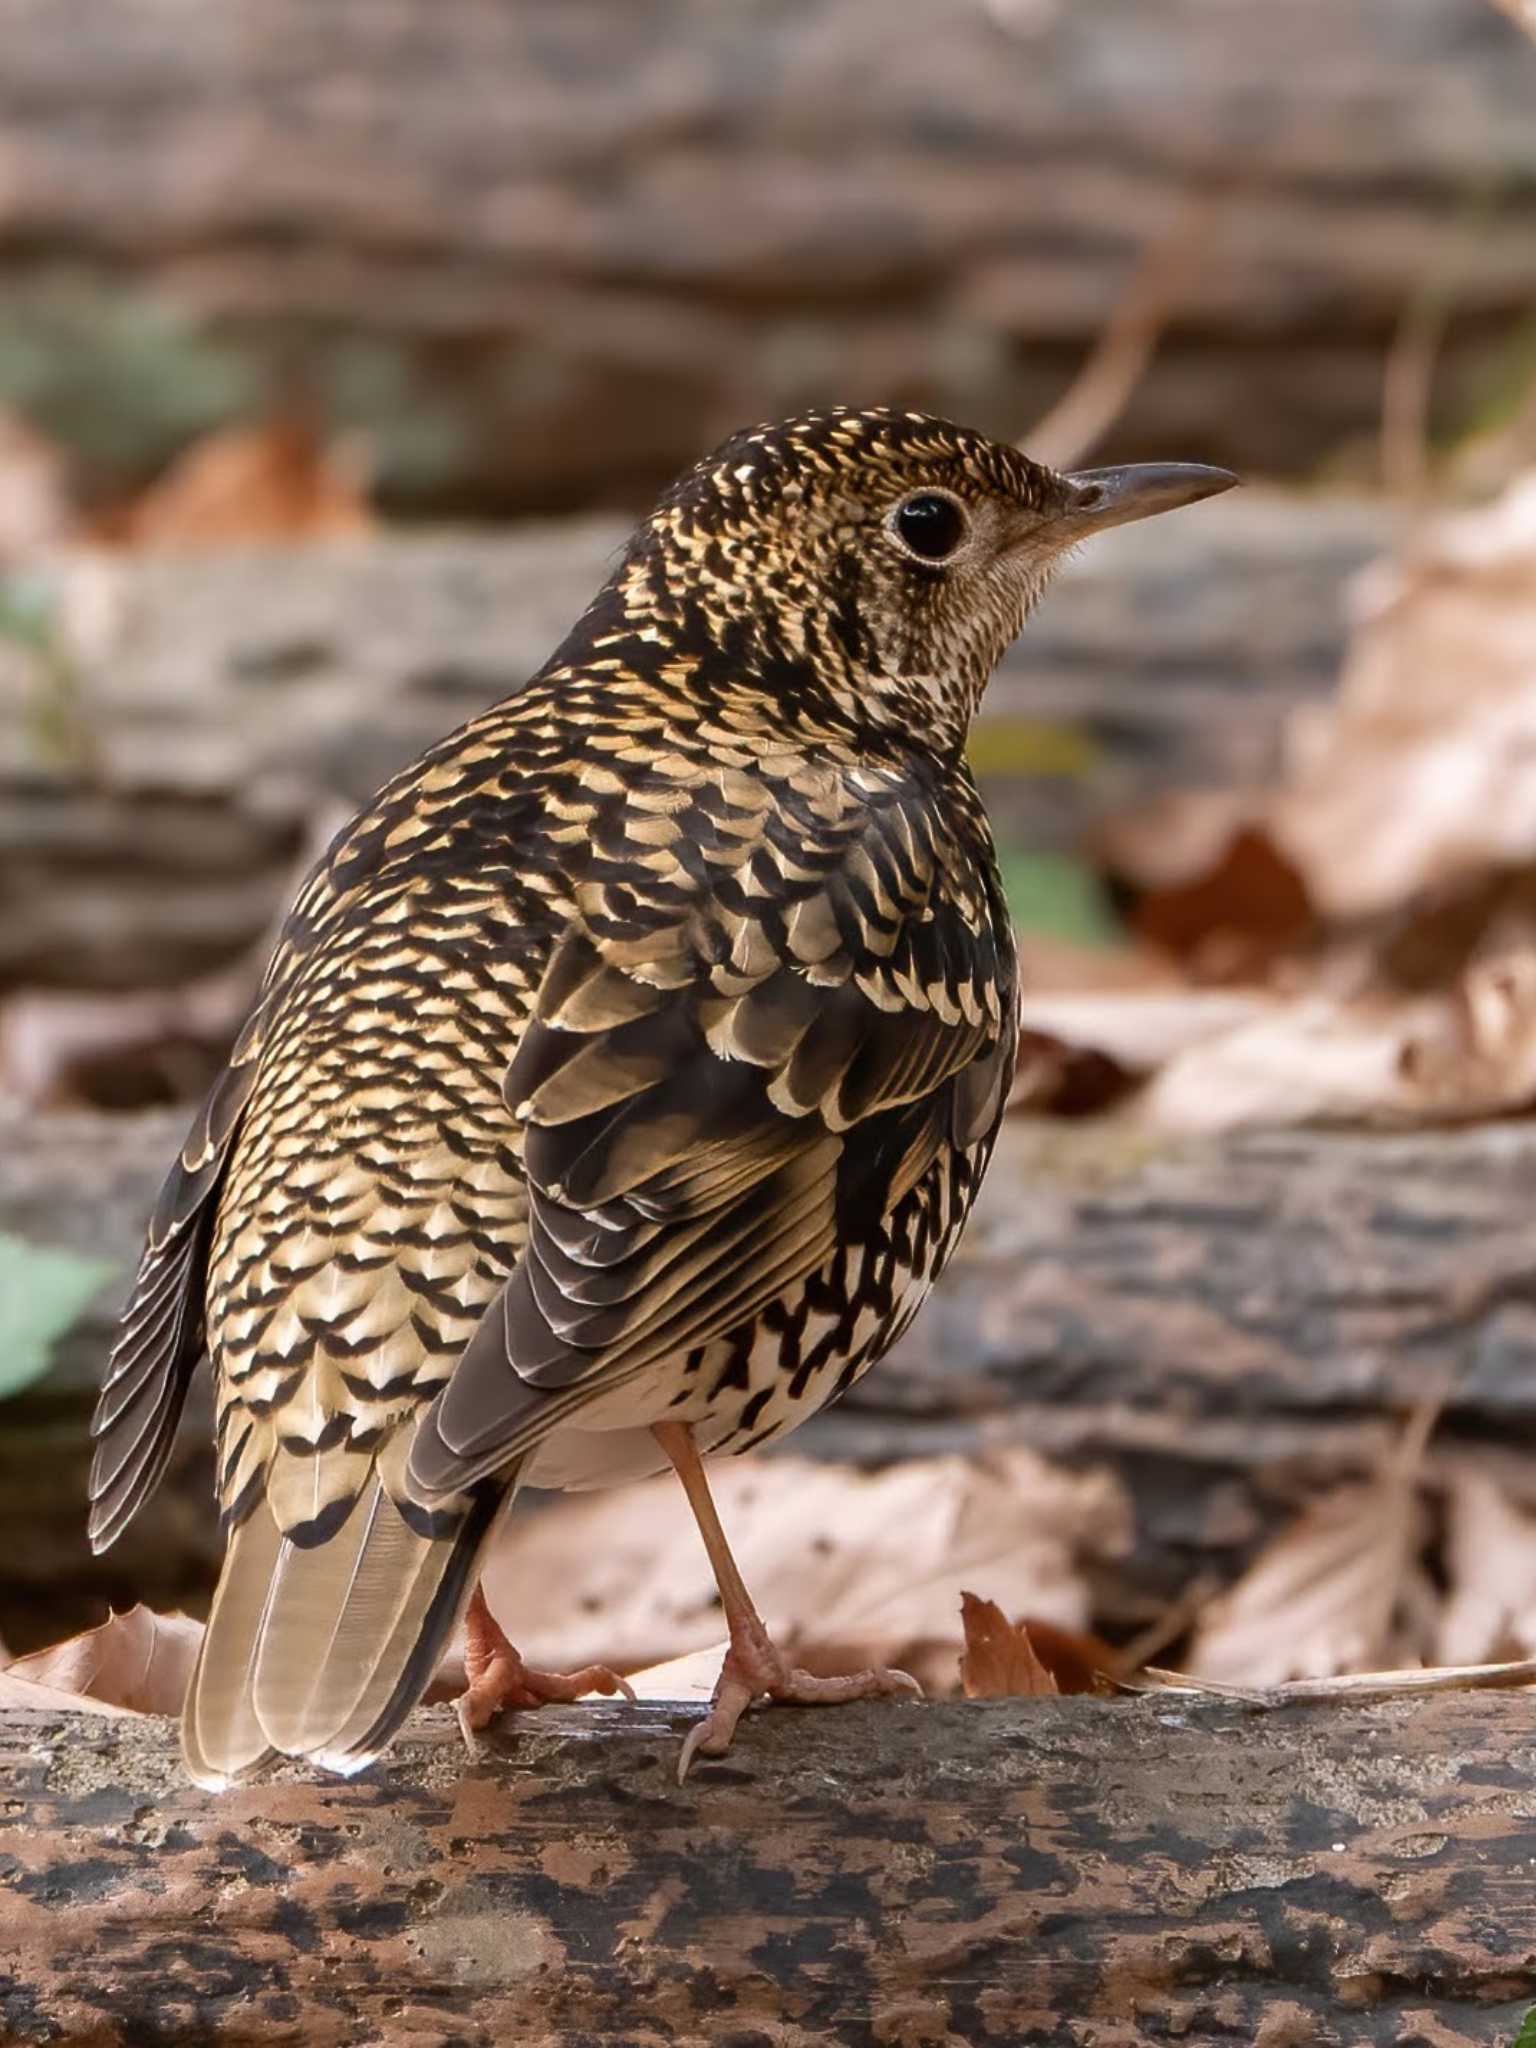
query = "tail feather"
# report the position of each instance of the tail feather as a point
(221, 1738)
(321, 1651)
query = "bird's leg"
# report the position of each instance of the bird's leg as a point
(753, 1666)
(499, 1679)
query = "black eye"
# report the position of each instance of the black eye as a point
(931, 525)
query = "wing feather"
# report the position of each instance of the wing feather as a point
(161, 1336)
(704, 1117)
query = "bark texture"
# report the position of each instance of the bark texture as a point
(1025, 1872)
(546, 252)
(1229, 1325)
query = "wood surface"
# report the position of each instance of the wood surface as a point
(1092, 1873)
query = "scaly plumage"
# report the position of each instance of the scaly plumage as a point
(633, 1059)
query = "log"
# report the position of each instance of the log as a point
(1020, 1871)
(220, 703)
(1228, 1325)
(544, 253)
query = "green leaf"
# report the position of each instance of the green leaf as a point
(1526, 2038)
(42, 1292)
(1058, 897)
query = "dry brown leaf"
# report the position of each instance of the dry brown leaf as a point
(1423, 766)
(1049, 965)
(1028, 1658)
(28, 1695)
(1490, 1562)
(1141, 1030)
(999, 1660)
(691, 1677)
(1207, 883)
(1340, 1590)
(857, 1566)
(271, 482)
(137, 1663)
(1470, 1052)
(1054, 1078)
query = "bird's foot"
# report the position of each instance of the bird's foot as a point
(499, 1680)
(755, 1669)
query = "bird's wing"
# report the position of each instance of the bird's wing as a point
(161, 1334)
(709, 1103)
(160, 1338)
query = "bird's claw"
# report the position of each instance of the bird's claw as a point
(509, 1685)
(760, 1672)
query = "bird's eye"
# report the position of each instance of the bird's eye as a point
(929, 525)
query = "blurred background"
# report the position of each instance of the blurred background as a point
(339, 347)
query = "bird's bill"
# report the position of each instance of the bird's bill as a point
(1136, 490)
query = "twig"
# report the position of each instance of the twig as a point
(1098, 394)
(1408, 373)
(1353, 1687)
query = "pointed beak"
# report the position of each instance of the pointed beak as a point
(1114, 497)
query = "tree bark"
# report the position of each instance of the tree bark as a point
(1228, 1325)
(547, 253)
(1054, 1872)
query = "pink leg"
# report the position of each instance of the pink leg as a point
(499, 1679)
(753, 1667)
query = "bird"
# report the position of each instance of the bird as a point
(618, 1086)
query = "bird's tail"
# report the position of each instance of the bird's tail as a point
(320, 1650)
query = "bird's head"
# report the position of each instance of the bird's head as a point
(887, 556)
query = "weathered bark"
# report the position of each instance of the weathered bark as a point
(212, 706)
(546, 252)
(1077, 1871)
(1229, 1325)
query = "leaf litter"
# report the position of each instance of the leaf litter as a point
(1356, 942)
(1339, 1607)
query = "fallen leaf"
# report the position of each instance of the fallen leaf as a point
(272, 482)
(1076, 1658)
(846, 1566)
(137, 1663)
(1053, 1078)
(1209, 885)
(1477, 1056)
(691, 1677)
(32, 1697)
(1422, 767)
(1469, 1051)
(999, 1660)
(1340, 1590)
(1309, 1060)
(1490, 1565)
(1140, 1030)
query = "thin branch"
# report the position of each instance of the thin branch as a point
(1102, 388)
